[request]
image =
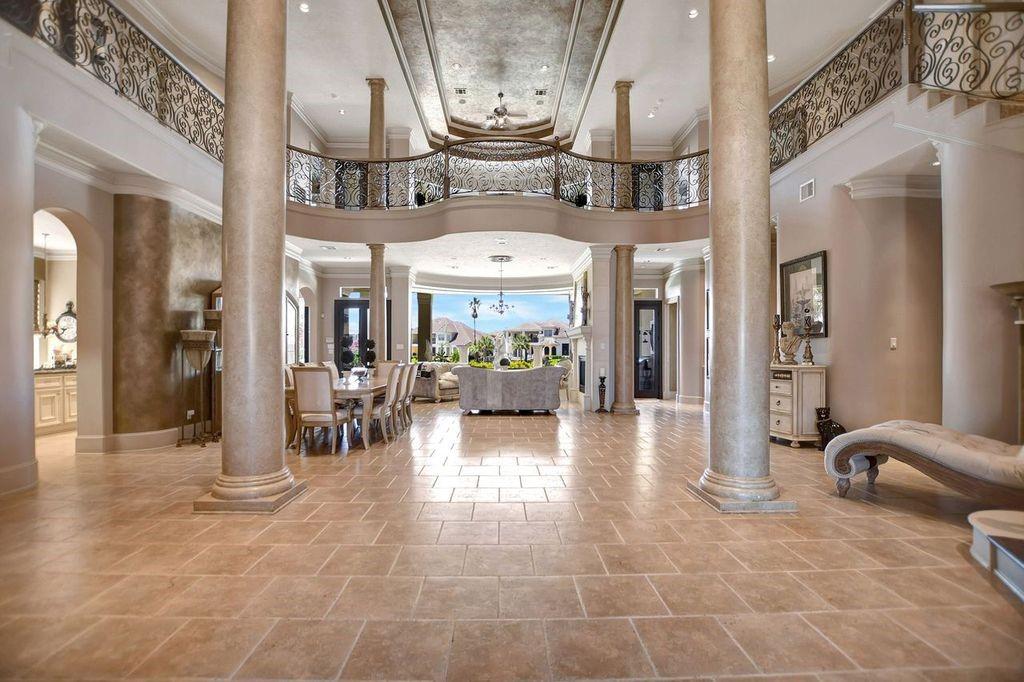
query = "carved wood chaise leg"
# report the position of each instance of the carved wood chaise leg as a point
(872, 473)
(842, 486)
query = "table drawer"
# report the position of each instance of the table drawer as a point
(781, 387)
(780, 423)
(780, 403)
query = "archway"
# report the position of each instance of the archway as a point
(309, 314)
(94, 305)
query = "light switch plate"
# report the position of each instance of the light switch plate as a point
(892, 343)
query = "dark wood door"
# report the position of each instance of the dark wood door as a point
(647, 349)
(350, 320)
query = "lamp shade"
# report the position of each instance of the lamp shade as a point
(198, 346)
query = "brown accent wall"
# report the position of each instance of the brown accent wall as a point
(166, 263)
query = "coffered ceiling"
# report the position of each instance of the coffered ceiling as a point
(457, 55)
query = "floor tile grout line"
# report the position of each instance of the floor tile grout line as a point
(160, 645)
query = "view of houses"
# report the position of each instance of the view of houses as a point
(451, 340)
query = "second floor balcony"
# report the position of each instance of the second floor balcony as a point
(498, 166)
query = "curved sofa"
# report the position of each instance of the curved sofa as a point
(515, 389)
(973, 465)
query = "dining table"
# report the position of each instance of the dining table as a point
(363, 389)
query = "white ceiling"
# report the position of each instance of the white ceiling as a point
(59, 237)
(334, 47)
(466, 255)
(665, 54)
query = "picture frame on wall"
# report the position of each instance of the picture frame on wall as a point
(803, 284)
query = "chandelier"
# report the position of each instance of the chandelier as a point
(501, 307)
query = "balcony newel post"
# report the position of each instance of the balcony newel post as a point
(447, 181)
(907, 49)
(556, 182)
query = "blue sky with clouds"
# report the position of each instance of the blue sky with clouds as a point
(528, 308)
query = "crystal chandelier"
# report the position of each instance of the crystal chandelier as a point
(501, 307)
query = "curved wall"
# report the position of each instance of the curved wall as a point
(497, 213)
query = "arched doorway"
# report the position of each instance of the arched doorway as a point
(94, 345)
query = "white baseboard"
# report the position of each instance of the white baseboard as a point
(690, 399)
(21, 476)
(140, 441)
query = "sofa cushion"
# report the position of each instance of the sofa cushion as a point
(448, 381)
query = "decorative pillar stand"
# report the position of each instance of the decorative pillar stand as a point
(738, 476)
(378, 322)
(254, 476)
(624, 402)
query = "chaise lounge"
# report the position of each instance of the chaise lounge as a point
(975, 466)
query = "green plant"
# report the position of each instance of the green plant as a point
(520, 364)
(484, 346)
(521, 342)
(454, 356)
(481, 365)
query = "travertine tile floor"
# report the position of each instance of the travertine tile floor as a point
(494, 547)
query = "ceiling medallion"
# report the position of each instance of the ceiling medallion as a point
(501, 307)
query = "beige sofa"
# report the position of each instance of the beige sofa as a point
(440, 384)
(514, 389)
(975, 466)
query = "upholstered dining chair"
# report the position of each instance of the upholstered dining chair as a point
(289, 382)
(329, 364)
(397, 414)
(406, 406)
(315, 406)
(382, 367)
(382, 411)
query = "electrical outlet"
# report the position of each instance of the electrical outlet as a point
(892, 343)
(189, 414)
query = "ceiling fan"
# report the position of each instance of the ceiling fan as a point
(501, 119)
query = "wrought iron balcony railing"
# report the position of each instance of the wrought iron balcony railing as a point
(497, 166)
(973, 49)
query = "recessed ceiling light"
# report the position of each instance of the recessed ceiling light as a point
(334, 95)
(551, 267)
(544, 67)
(456, 66)
(501, 240)
(328, 247)
(693, 14)
(462, 101)
(303, 6)
(662, 249)
(346, 258)
(341, 111)
(771, 58)
(650, 114)
(936, 163)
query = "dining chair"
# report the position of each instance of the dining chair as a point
(315, 406)
(289, 382)
(381, 411)
(398, 412)
(383, 367)
(329, 364)
(410, 385)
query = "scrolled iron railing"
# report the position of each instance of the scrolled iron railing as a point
(975, 50)
(972, 49)
(95, 36)
(498, 165)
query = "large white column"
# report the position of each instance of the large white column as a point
(377, 131)
(738, 467)
(982, 245)
(624, 385)
(399, 277)
(600, 345)
(17, 401)
(378, 322)
(623, 135)
(254, 476)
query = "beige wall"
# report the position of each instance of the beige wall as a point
(167, 262)
(884, 281)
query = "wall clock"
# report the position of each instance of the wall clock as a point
(66, 326)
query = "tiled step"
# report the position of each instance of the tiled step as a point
(999, 545)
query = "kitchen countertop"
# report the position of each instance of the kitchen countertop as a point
(56, 370)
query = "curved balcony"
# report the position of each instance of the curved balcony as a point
(497, 166)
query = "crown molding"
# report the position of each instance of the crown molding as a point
(123, 183)
(699, 115)
(300, 111)
(685, 265)
(442, 283)
(895, 186)
(55, 254)
(178, 39)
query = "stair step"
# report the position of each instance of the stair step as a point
(999, 545)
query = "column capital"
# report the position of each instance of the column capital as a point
(625, 249)
(376, 248)
(623, 86)
(378, 84)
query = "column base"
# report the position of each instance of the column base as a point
(728, 505)
(251, 494)
(620, 408)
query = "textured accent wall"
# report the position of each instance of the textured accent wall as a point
(166, 263)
